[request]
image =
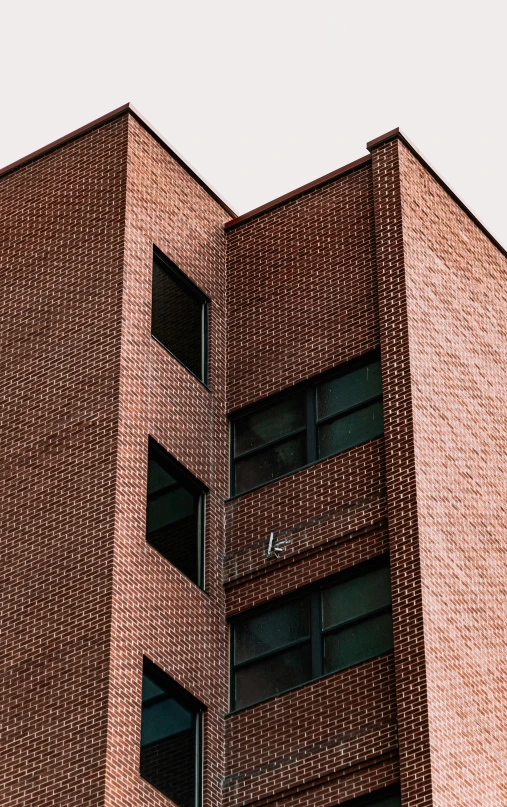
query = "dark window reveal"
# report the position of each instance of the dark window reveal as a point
(179, 316)
(328, 627)
(387, 797)
(175, 513)
(321, 418)
(170, 738)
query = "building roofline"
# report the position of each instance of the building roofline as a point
(397, 134)
(102, 121)
(297, 192)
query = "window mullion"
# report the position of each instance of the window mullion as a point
(316, 628)
(311, 423)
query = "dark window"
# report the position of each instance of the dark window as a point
(328, 627)
(387, 797)
(179, 316)
(170, 738)
(175, 513)
(323, 417)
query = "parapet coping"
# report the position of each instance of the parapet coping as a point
(297, 192)
(340, 172)
(268, 206)
(125, 109)
(399, 135)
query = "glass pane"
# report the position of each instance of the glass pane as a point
(168, 742)
(151, 689)
(355, 597)
(163, 719)
(271, 462)
(339, 394)
(173, 523)
(158, 477)
(167, 508)
(358, 642)
(262, 679)
(177, 319)
(388, 801)
(271, 629)
(252, 431)
(351, 430)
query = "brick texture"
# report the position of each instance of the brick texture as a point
(377, 256)
(456, 312)
(62, 220)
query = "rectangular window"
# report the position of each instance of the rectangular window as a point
(175, 514)
(170, 738)
(300, 637)
(179, 316)
(322, 417)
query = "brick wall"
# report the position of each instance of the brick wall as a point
(402, 506)
(157, 611)
(62, 225)
(456, 305)
(379, 255)
(301, 289)
(302, 298)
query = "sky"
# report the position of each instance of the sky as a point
(262, 97)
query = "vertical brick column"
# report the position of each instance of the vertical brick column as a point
(411, 687)
(62, 237)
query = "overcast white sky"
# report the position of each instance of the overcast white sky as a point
(261, 97)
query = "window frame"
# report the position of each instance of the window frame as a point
(308, 389)
(175, 274)
(192, 704)
(196, 487)
(317, 634)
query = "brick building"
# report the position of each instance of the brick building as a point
(254, 485)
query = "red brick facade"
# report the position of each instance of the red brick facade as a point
(379, 255)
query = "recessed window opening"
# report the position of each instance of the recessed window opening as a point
(326, 628)
(387, 797)
(171, 728)
(179, 315)
(175, 514)
(323, 417)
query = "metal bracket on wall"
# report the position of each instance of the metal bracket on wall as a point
(275, 548)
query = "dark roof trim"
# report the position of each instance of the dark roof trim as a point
(398, 134)
(103, 120)
(295, 194)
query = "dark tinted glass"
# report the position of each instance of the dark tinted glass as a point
(356, 597)
(252, 431)
(169, 750)
(388, 801)
(358, 642)
(270, 463)
(271, 629)
(177, 318)
(351, 430)
(341, 393)
(282, 671)
(174, 515)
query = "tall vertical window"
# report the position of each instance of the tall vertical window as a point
(322, 417)
(175, 514)
(171, 727)
(179, 316)
(295, 639)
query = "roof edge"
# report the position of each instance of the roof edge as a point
(397, 134)
(102, 121)
(297, 192)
